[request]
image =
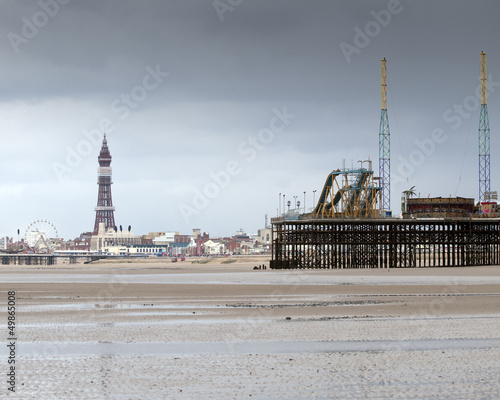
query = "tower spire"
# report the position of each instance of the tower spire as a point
(384, 143)
(104, 209)
(484, 136)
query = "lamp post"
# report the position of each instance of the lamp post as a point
(304, 202)
(294, 202)
(314, 197)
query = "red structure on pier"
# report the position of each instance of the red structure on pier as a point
(104, 210)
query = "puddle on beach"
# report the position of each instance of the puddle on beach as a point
(186, 321)
(240, 348)
(248, 278)
(183, 309)
(120, 306)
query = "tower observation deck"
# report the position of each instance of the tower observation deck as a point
(104, 209)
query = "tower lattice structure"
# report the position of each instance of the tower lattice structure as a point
(104, 210)
(384, 144)
(484, 137)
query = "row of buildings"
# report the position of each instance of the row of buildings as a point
(113, 242)
(125, 243)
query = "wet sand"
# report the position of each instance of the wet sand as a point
(154, 329)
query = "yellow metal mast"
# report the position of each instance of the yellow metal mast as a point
(383, 65)
(484, 97)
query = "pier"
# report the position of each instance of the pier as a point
(45, 259)
(28, 259)
(384, 243)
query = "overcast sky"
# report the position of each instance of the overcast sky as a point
(213, 108)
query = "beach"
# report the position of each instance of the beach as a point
(153, 329)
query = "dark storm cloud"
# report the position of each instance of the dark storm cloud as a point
(259, 51)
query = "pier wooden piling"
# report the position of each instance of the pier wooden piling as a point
(28, 259)
(384, 243)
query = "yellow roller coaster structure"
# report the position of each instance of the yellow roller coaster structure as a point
(349, 193)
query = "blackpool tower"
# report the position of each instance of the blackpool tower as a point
(104, 210)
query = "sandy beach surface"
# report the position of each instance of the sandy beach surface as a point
(218, 329)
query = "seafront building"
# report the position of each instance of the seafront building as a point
(106, 240)
(439, 207)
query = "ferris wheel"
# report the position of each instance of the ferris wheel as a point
(41, 235)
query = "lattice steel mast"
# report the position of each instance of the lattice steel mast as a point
(484, 136)
(104, 210)
(384, 145)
